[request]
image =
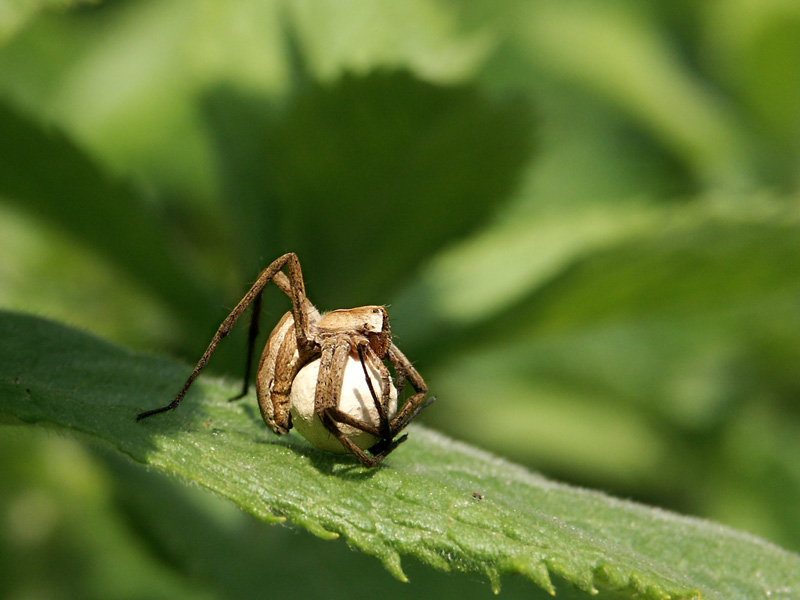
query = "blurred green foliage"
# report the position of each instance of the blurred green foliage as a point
(584, 218)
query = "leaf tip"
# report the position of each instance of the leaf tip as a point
(393, 565)
(316, 528)
(536, 571)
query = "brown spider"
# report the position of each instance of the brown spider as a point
(335, 340)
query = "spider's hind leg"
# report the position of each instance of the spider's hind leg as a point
(251, 345)
(293, 286)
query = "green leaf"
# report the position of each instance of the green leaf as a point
(15, 14)
(47, 175)
(360, 167)
(449, 505)
(66, 536)
(666, 335)
(618, 55)
(53, 274)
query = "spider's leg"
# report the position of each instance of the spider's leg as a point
(252, 335)
(379, 450)
(297, 294)
(302, 310)
(414, 414)
(415, 403)
(363, 457)
(332, 362)
(346, 419)
(399, 382)
(386, 446)
(335, 353)
(279, 365)
(365, 354)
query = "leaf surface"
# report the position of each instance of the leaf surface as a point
(451, 506)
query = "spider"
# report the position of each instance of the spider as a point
(330, 342)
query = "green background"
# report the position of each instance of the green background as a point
(583, 217)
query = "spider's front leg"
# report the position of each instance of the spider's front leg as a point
(294, 288)
(335, 353)
(370, 361)
(334, 409)
(416, 403)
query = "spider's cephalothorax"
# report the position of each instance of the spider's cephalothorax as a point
(330, 343)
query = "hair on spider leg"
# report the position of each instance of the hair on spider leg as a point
(323, 373)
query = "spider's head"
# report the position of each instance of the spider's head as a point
(376, 326)
(370, 322)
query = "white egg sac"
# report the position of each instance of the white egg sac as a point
(355, 400)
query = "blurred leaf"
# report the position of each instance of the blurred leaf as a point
(14, 14)
(53, 274)
(418, 35)
(45, 174)
(757, 47)
(62, 533)
(366, 176)
(753, 47)
(592, 153)
(374, 173)
(564, 271)
(757, 480)
(647, 334)
(747, 249)
(239, 125)
(491, 272)
(617, 55)
(421, 503)
(122, 81)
